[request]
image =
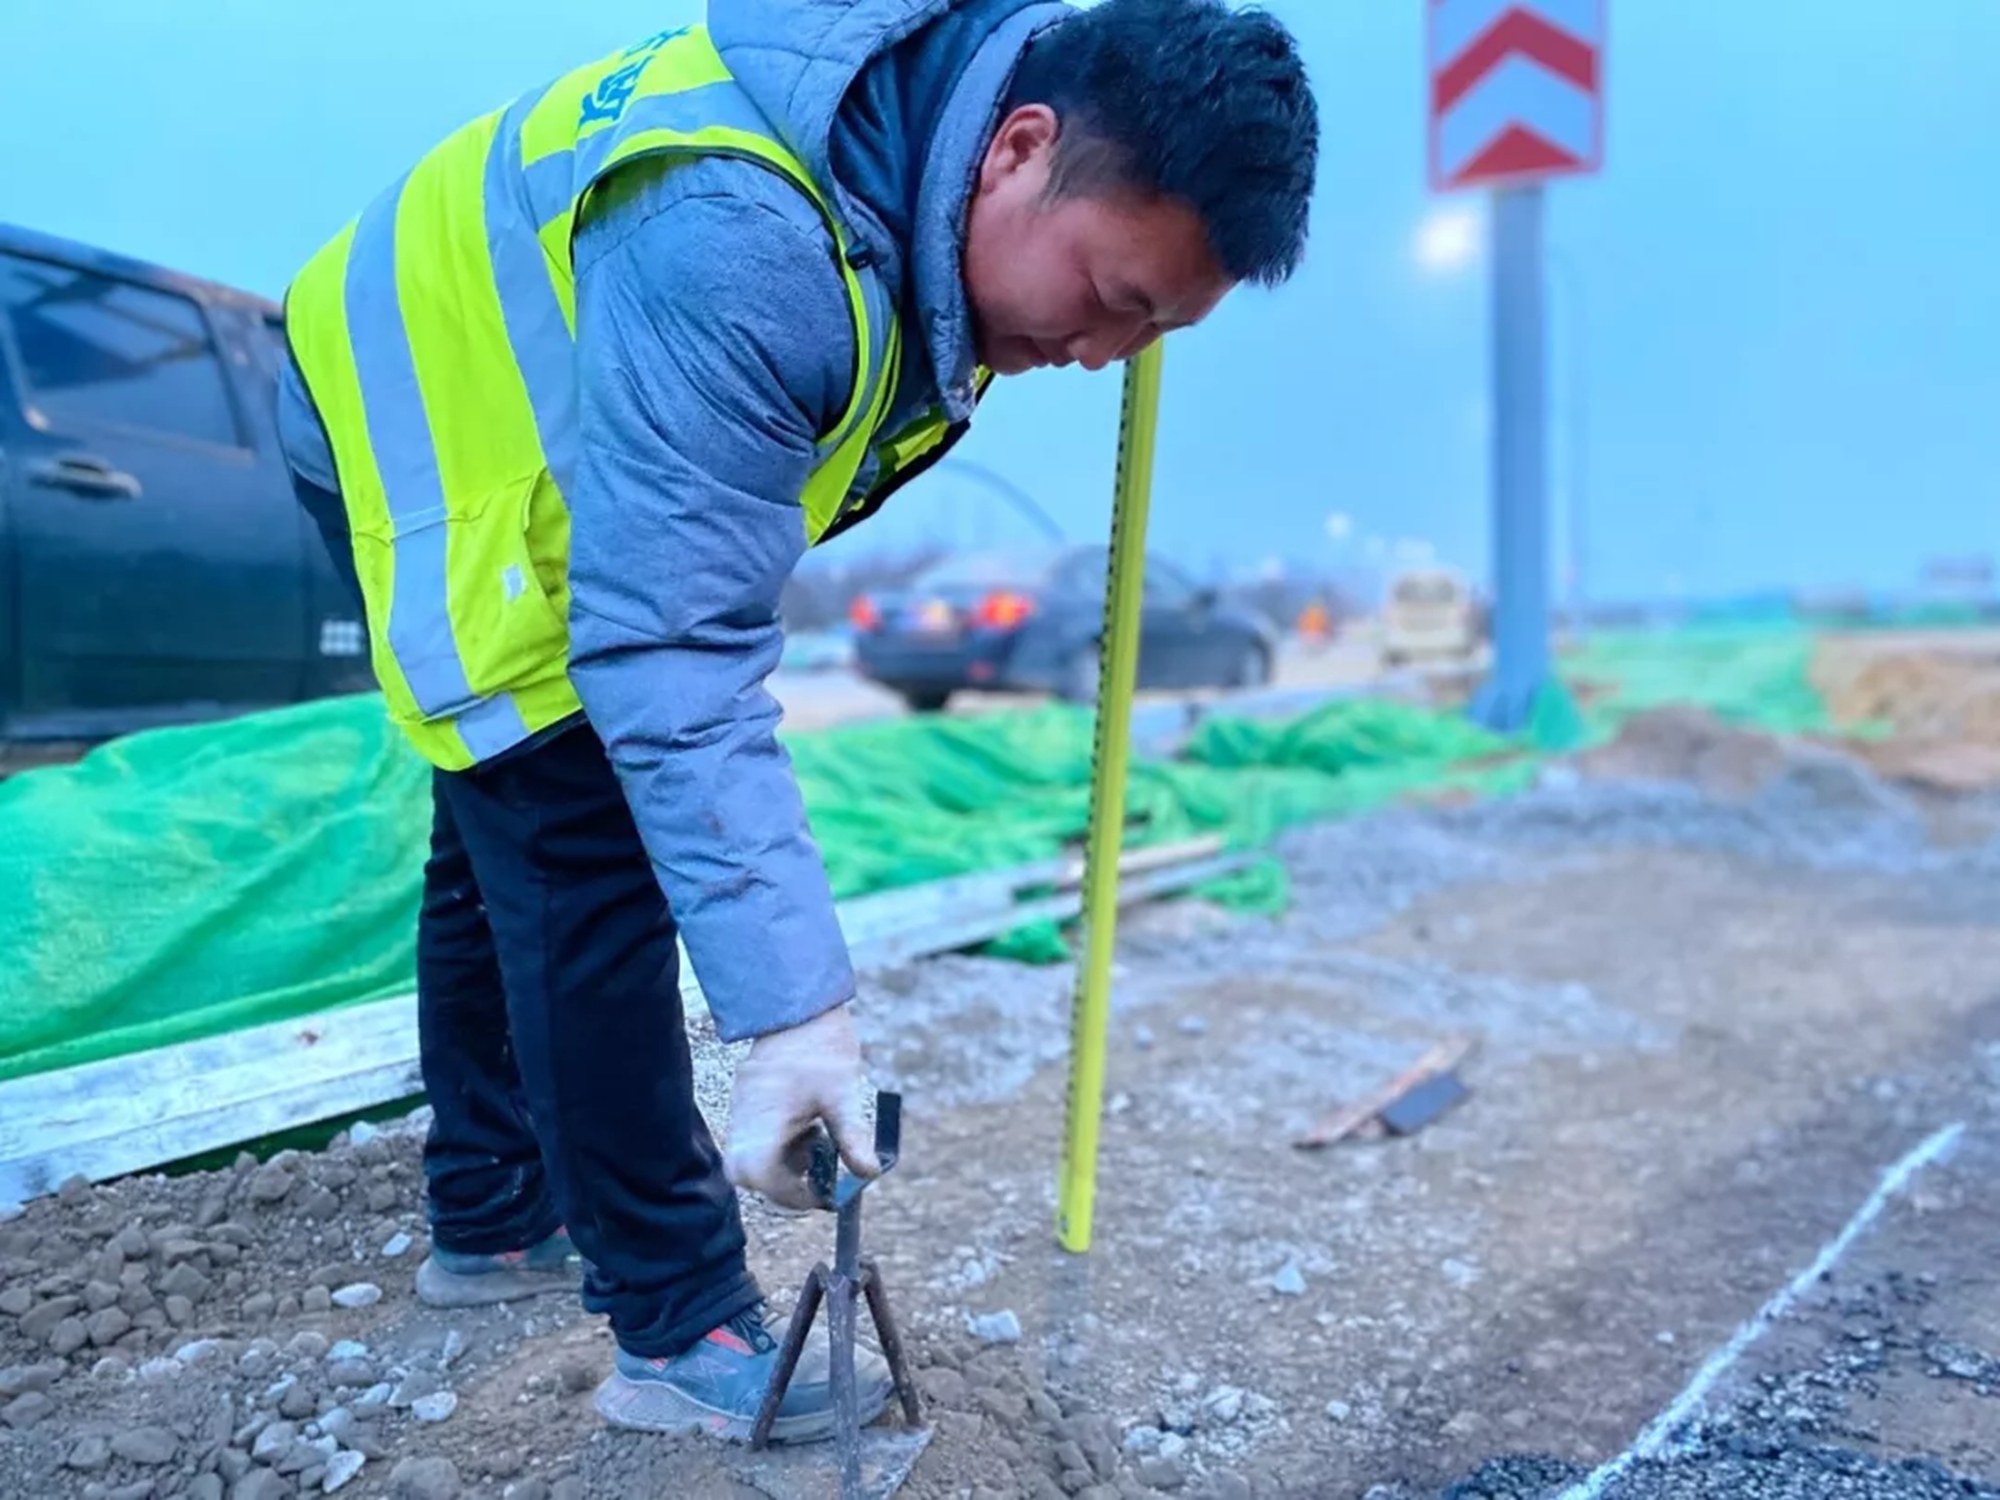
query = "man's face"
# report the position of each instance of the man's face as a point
(1082, 279)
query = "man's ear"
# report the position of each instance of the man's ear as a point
(1025, 142)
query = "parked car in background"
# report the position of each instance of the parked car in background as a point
(1430, 615)
(1030, 621)
(154, 566)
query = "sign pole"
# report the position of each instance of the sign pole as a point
(1517, 99)
(1119, 658)
(1506, 702)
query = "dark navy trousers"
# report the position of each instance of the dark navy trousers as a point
(554, 1048)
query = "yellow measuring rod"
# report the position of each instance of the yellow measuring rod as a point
(1119, 665)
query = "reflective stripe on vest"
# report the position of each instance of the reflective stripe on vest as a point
(436, 335)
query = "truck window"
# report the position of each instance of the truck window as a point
(98, 352)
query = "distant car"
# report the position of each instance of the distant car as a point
(1430, 615)
(1030, 621)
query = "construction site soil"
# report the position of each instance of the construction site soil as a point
(1718, 985)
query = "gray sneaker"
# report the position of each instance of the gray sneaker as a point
(448, 1278)
(717, 1386)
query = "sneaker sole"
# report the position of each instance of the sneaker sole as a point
(654, 1406)
(437, 1287)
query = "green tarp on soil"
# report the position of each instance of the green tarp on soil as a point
(187, 882)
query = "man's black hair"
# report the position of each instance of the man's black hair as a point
(1186, 99)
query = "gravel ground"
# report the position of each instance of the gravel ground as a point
(1706, 1023)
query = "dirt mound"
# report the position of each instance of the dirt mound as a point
(1692, 745)
(1941, 703)
(253, 1334)
(1933, 693)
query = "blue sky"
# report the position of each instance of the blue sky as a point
(1790, 268)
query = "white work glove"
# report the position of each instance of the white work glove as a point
(808, 1074)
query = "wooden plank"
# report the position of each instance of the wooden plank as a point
(46, 1111)
(1349, 1119)
(1151, 857)
(146, 1109)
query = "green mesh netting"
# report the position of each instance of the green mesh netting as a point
(191, 881)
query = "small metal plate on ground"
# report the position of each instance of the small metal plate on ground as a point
(811, 1471)
(1423, 1104)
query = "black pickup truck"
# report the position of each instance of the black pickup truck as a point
(154, 567)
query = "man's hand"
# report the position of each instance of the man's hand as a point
(793, 1079)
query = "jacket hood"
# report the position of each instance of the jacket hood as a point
(797, 59)
(893, 140)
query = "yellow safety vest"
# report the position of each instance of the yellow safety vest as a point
(436, 334)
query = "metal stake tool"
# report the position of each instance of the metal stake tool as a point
(851, 1279)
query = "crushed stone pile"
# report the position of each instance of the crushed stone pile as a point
(1792, 1434)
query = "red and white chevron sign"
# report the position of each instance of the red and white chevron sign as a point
(1516, 90)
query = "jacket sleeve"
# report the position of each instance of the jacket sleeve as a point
(714, 343)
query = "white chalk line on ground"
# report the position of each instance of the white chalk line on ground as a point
(1654, 1438)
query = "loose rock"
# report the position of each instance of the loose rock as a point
(26, 1411)
(297, 1404)
(342, 1467)
(107, 1326)
(353, 1373)
(69, 1337)
(434, 1407)
(358, 1294)
(273, 1442)
(18, 1378)
(424, 1479)
(145, 1445)
(1290, 1281)
(39, 1322)
(269, 1184)
(89, 1455)
(184, 1280)
(1001, 1327)
(414, 1387)
(260, 1484)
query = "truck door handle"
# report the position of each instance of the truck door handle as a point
(84, 475)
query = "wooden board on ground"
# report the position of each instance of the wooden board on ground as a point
(1352, 1119)
(147, 1109)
